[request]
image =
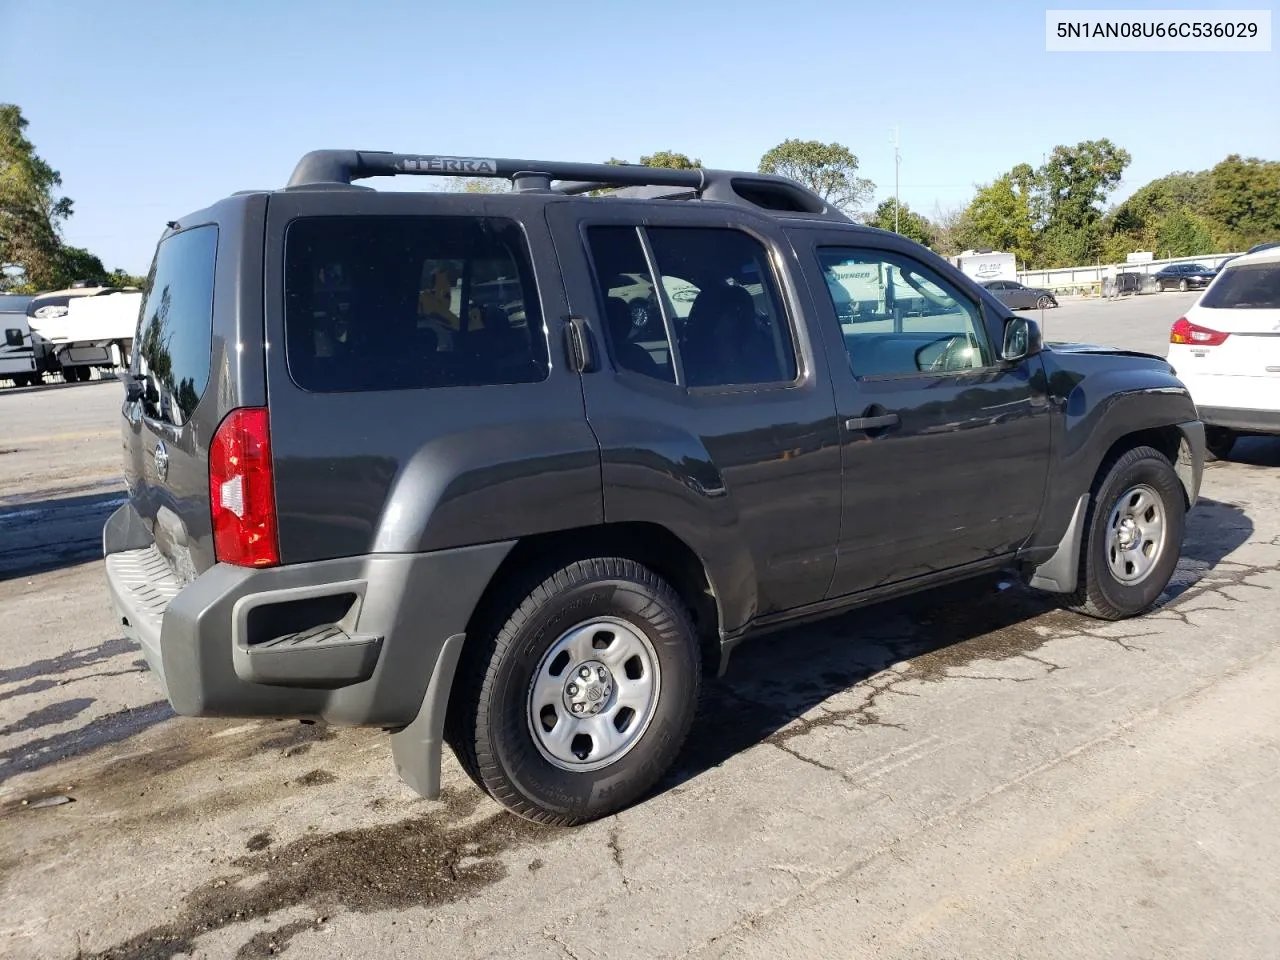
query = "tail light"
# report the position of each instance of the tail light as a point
(1184, 331)
(242, 490)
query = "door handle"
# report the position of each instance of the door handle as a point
(872, 423)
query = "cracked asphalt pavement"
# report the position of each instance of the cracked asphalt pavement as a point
(968, 773)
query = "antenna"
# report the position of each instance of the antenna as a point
(897, 162)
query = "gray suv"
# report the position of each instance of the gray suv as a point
(513, 471)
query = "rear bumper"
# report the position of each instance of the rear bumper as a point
(1245, 421)
(352, 641)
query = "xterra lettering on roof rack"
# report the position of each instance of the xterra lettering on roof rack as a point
(468, 165)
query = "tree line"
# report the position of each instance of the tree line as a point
(33, 256)
(1053, 215)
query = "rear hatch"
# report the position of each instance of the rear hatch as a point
(167, 430)
(1236, 324)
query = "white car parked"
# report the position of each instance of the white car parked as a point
(1227, 351)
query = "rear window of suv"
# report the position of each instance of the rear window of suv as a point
(1249, 286)
(396, 303)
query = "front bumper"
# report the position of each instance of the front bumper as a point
(355, 640)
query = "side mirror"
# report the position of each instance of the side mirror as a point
(1021, 339)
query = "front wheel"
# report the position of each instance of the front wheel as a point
(1133, 536)
(1045, 302)
(1182, 286)
(575, 706)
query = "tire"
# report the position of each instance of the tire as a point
(507, 682)
(1045, 302)
(1182, 286)
(1218, 442)
(1102, 592)
(69, 375)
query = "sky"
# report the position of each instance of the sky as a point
(152, 110)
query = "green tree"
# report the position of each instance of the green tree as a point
(669, 159)
(119, 278)
(1183, 234)
(952, 230)
(482, 185)
(77, 263)
(828, 169)
(1244, 197)
(1137, 222)
(30, 210)
(1001, 216)
(910, 224)
(1117, 246)
(1073, 183)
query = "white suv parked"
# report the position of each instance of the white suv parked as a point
(1227, 351)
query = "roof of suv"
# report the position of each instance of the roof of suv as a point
(765, 193)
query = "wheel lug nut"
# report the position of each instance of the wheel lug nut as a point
(577, 708)
(573, 689)
(585, 673)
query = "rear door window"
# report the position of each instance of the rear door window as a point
(410, 302)
(1250, 286)
(175, 328)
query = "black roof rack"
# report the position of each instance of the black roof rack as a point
(778, 195)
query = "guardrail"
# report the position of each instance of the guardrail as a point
(1088, 281)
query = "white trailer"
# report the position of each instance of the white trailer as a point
(77, 330)
(984, 265)
(17, 358)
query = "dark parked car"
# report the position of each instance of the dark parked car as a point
(520, 467)
(1264, 246)
(1017, 297)
(1183, 276)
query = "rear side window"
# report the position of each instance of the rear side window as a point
(633, 315)
(396, 303)
(175, 328)
(720, 288)
(1250, 286)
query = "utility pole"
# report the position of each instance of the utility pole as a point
(897, 161)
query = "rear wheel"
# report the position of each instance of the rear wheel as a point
(1044, 302)
(1133, 536)
(581, 699)
(1218, 442)
(69, 375)
(1182, 286)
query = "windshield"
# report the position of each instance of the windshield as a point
(1249, 286)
